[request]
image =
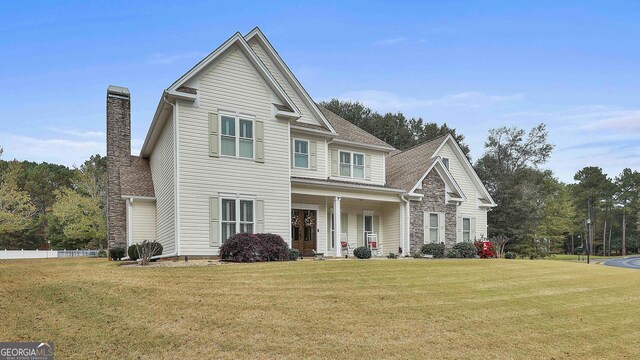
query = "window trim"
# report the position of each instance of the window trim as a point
(468, 231)
(308, 154)
(351, 164)
(237, 116)
(428, 228)
(237, 221)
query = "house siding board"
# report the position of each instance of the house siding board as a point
(306, 114)
(469, 207)
(433, 189)
(232, 84)
(162, 165)
(321, 157)
(143, 218)
(377, 164)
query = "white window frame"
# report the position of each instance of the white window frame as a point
(237, 117)
(296, 153)
(468, 231)
(445, 162)
(237, 221)
(428, 228)
(351, 164)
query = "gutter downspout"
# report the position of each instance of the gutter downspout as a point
(175, 182)
(407, 244)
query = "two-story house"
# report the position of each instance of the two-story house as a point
(237, 145)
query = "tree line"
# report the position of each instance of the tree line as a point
(536, 212)
(50, 206)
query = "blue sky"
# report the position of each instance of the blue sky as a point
(474, 65)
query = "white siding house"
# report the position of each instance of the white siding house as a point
(238, 145)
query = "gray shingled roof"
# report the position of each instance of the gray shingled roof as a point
(404, 169)
(135, 180)
(350, 132)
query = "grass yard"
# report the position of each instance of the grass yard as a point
(92, 308)
(583, 257)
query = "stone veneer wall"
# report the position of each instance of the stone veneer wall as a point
(118, 154)
(433, 189)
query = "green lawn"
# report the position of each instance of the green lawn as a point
(92, 308)
(575, 257)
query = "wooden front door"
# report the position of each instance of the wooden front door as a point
(303, 231)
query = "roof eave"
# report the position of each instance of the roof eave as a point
(348, 186)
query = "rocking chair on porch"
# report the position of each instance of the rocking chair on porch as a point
(347, 249)
(374, 244)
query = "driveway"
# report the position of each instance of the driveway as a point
(632, 262)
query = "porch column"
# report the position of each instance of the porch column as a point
(337, 231)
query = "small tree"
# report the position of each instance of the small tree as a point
(499, 242)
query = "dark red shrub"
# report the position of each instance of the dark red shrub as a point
(254, 247)
(485, 249)
(273, 248)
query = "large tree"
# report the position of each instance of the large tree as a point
(592, 193)
(16, 209)
(509, 169)
(394, 128)
(558, 214)
(80, 218)
(627, 188)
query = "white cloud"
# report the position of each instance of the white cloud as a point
(388, 101)
(163, 59)
(78, 133)
(54, 150)
(391, 41)
(592, 135)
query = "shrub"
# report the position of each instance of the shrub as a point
(485, 253)
(466, 250)
(133, 252)
(294, 254)
(102, 254)
(116, 253)
(246, 247)
(454, 254)
(510, 255)
(273, 248)
(144, 251)
(437, 250)
(417, 255)
(392, 256)
(362, 252)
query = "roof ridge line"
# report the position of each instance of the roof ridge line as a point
(424, 143)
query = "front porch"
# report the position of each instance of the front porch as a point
(371, 220)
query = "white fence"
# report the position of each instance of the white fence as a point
(45, 254)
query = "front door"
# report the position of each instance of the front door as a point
(303, 231)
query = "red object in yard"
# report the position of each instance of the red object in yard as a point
(374, 245)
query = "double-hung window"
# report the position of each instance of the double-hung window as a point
(434, 236)
(351, 164)
(301, 154)
(466, 229)
(237, 217)
(237, 137)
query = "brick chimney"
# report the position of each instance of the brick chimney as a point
(118, 154)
